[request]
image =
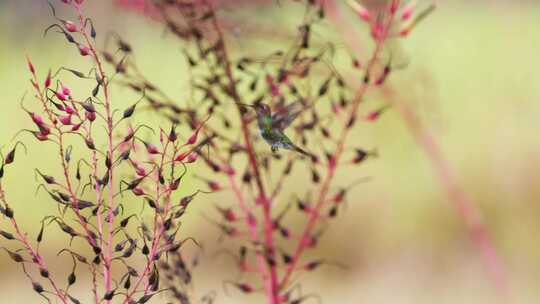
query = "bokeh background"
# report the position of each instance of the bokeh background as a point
(473, 78)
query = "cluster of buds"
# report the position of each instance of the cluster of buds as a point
(406, 17)
(94, 192)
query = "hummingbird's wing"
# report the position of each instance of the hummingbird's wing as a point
(283, 117)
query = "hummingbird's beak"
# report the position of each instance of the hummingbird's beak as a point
(245, 104)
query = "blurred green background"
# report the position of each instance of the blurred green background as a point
(473, 78)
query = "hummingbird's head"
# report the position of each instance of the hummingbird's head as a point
(262, 109)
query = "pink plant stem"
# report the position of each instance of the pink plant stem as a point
(36, 257)
(107, 275)
(306, 236)
(159, 230)
(65, 167)
(272, 288)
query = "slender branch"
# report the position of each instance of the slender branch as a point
(272, 288)
(305, 238)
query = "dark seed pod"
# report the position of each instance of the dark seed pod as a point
(333, 211)
(129, 111)
(120, 246)
(90, 143)
(287, 259)
(109, 295)
(47, 178)
(145, 298)
(37, 287)
(40, 234)
(44, 272)
(74, 300)
(8, 212)
(127, 283)
(7, 235)
(15, 256)
(145, 250)
(89, 107)
(71, 279)
(10, 157)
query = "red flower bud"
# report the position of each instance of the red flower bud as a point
(90, 116)
(140, 171)
(360, 10)
(30, 65)
(76, 127)
(192, 157)
(404, 31)
(408, 10)
(364, 14)
(151, 148)
(70, 26)
(138, 191)
(69, 110)
(38, 120)
(394, 6)
(193, 138)
(44, 130)
(60, 96)
(84, 50)
(228, 170)
(214, 186)
(41, 137)
(65, 90)
(48, 80)
(181, 156)
(230, 215)
(66, 119)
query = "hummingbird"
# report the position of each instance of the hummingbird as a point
(272, 126)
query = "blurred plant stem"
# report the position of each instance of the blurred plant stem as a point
(463, 203)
